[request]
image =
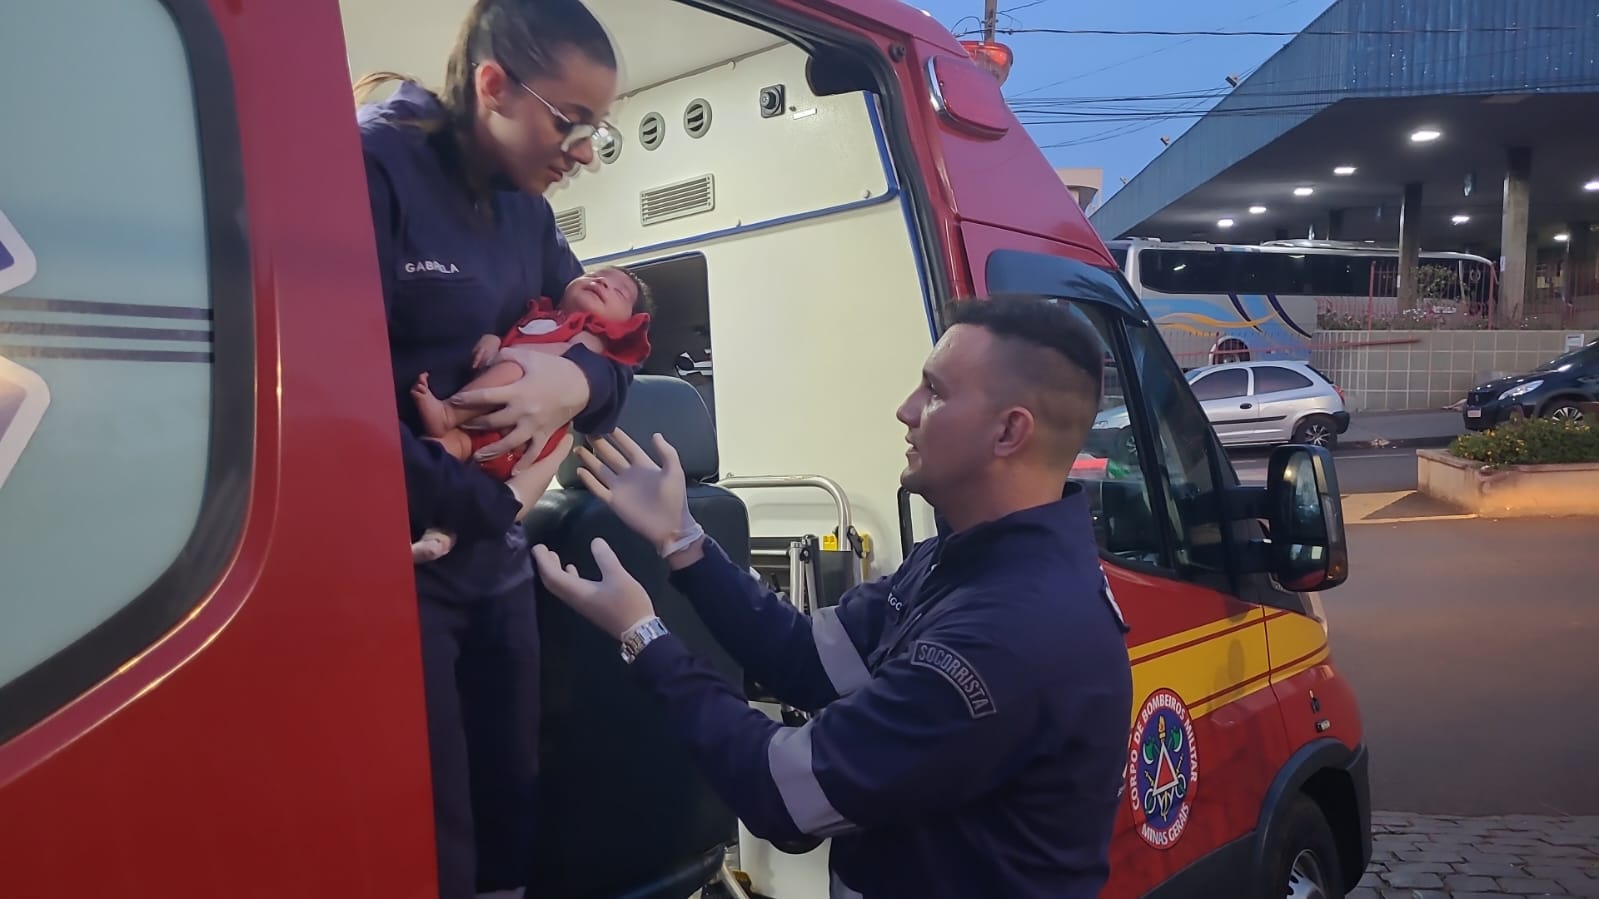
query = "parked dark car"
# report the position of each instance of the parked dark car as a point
(1556, 389)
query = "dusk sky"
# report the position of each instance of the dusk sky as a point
(1093, 72)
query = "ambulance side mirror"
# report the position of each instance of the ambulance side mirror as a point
(1306, 516)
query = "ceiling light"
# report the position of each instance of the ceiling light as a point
(1562, 237)
(1344, 170)
(1423, 135)
(1591, 185)
(1224, 223)
(1461, 219)
(1304, 191)
(1257, 210)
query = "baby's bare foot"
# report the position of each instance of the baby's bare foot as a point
(430, 409)
(435, 544)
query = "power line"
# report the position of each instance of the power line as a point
(1157, 51)
(1336, 32)
(1089, 106)
(1124, 122)
(1273, 87)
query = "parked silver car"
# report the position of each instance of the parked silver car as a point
(1261, 403)
(1270, 402)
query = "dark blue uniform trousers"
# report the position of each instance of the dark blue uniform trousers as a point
(480, 662)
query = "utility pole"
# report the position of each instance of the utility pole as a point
(990, 17)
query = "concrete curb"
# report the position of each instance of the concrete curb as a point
(1397, 442)
(1510, 491)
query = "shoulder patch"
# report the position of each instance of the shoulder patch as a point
(1115, 608)
(961, 675)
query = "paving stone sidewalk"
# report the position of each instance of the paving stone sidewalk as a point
(1509, 857)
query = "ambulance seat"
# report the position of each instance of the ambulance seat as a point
(623, 810)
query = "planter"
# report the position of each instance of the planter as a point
(1511, 491)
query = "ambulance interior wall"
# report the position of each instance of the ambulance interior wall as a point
(818, 320)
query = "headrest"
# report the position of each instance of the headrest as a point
(672, 408)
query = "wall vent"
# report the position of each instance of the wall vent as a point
(697, 118)
(651, 131)
(574, 223)
(674, 201)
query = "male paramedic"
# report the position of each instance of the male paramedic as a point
(971, 708)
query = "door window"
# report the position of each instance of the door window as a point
(1186, 450)
(1276, 379)
(1150, 461)
(125, 351)
(1220, 385)
(1109, 468)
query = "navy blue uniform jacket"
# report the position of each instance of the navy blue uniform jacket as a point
(451, 275)
(972, 712)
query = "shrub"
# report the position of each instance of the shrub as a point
(1532, 441)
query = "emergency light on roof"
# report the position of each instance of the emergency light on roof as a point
(991, 55)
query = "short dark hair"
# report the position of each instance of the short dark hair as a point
(1054, 362)
(1040, 321)
(646, 297)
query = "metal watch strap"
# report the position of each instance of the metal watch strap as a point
(634, 641)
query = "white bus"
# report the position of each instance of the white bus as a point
(1235, 302)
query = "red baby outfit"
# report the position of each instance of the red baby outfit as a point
(626, 341)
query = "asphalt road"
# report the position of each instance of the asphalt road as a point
(1359, 470)
(1474, 649)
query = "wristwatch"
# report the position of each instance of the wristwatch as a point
(640, 636)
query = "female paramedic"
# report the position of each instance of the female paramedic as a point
(464, 240)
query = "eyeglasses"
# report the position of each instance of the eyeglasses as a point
(604, 135)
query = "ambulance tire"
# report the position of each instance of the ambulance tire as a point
(1304, 855)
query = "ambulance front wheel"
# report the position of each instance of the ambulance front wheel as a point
(1305, 862)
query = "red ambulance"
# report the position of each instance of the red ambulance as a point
(209, 670)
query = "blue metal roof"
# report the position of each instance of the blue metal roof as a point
(1512, 46)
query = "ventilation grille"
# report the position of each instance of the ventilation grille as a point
(697, 118)
(574, 223)
(610, 151)
(674, 201)
(651, 131)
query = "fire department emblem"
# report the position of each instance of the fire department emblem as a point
(1162, 769)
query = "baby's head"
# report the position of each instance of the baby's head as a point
(612, 293)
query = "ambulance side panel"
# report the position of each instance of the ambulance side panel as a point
(245, 717)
